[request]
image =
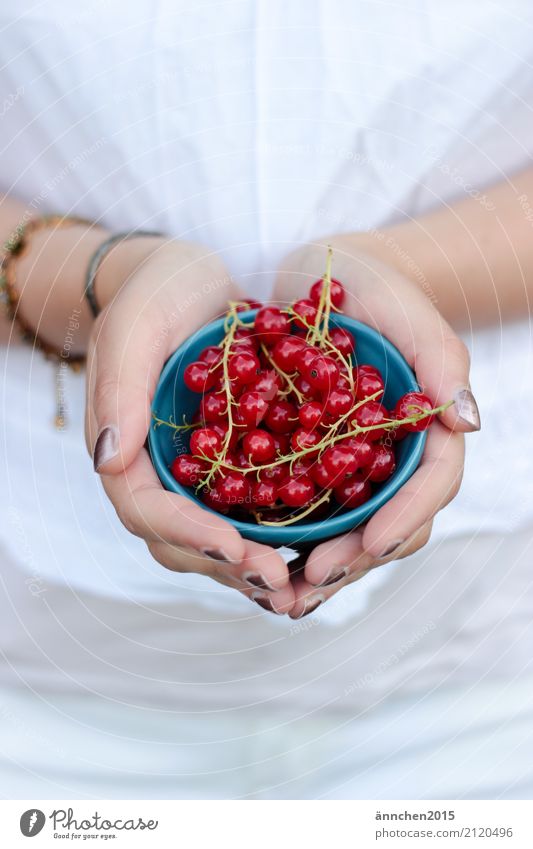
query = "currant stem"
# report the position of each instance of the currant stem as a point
(287, 378)
(184, 426)
(296, 518)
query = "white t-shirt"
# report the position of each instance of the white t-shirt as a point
(252, 127)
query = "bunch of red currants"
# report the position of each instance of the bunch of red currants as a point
(288, 426)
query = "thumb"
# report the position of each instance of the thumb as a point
(442, 365)
(124, 367)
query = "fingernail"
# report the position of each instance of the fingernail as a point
(217, 554)
(333, 576)
(390, 548)
(264, 602)
(467, 408)
(106, 446)
(310, 605)
(256, 579)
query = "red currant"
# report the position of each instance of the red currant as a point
(296, 492)
(212, 499)
(268, 383)
(222, 429)
(305, 389)
(282, 417)
(305, 356)
(336, 292)
(211, 355)
(339, 402)
(339, 461)
(343, 341)
(305, 311)
(271, 324)
(244, 306)
(383, 464)
(301, 466)
(243, 366)
(233, 489)
(311, 414)
(253, 408)
(302, 439)
(245, 336)
(274, 473)
(368, 381)
(198, 377)
(282, 441)
(362, 448)
(369, 415)
(188, 470)
(259, 446)
(353, 491)
(412, 404)
(322, 373)
(321, 476)
(264, 493)
(213, 407)
(285, 353)
(205, 442)
(343, 382)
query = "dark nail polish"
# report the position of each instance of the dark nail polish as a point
(467, 409)
(217, 554)
(332, 579)
(310, 606)
(106, 446)
(391, 548)
(258, 580)
(265, 603)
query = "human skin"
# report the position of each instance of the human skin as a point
(478, 262)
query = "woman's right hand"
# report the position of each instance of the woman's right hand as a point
(179, 288)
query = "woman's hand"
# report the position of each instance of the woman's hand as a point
(382, 298)
(176, 290)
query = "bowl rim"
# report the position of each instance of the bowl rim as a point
(337, 524)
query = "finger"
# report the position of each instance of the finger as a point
(263, 569)
(336, 563)
(307, 598)
(151, 512)
(434, 484)
(273, 591)
(134, 337)
(125, 373)
(380, 297)
(259, 557)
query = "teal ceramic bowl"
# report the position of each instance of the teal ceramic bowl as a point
(172, 400)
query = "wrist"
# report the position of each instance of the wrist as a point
(50, 282)
(120, 262)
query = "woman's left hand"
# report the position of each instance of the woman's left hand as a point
(378, 295)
